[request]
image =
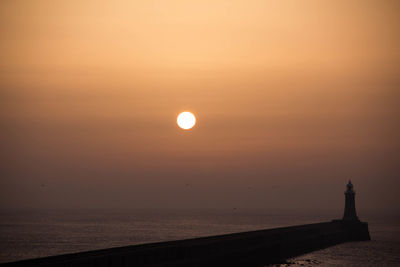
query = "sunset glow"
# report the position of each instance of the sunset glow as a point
(298, 93)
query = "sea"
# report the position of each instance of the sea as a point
(26, 234)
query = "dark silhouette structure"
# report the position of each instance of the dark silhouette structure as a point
(255, 248)
(350, 205)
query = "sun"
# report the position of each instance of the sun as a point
(186, 120)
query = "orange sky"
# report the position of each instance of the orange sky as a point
(292, 98)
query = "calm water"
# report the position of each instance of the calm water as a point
(32, 234)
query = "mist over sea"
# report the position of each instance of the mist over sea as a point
(38, 233)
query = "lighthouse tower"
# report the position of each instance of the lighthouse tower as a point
(350, 205)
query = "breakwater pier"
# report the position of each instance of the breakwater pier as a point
(254, 248)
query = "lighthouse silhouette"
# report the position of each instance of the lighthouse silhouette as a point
(350, 205)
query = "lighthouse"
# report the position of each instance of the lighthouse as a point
(350, 205)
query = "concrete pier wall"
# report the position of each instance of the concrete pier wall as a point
(253, 248)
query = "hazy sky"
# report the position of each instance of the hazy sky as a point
(292, 99)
